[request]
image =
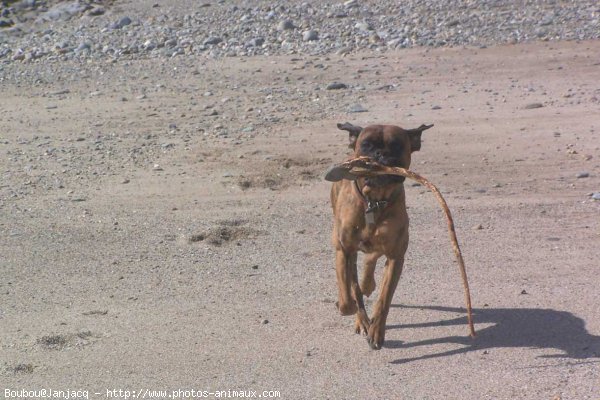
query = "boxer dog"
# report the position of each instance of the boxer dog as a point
(370, 216)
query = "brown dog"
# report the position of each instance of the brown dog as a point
(370, 216)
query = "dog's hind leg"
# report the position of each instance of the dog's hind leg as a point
(393, 270)
(367, 282)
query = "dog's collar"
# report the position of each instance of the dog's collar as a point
(379, 205)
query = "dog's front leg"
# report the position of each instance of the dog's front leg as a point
(350, 297)
(344, 261)
(376, 332)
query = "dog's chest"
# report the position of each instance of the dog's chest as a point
(376, 238)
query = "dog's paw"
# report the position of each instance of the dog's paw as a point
(361, 324)
(376, 335)
(367, 286)
(346, 308)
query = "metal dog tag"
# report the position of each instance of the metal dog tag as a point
(370, 217)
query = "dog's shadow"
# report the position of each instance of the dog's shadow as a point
(526, 328)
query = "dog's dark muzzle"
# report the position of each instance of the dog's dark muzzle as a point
(382, 180)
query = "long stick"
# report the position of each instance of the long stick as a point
(363, 166)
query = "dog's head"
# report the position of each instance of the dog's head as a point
(387, 144)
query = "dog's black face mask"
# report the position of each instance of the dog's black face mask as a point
(387, 144)
(390, 153)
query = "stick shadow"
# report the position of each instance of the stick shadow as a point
(526, 328)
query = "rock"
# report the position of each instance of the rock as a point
(149, 45)
(63, 11)
(308, 36)
(364, 26)
(583, 175)
(436, 108)
(285, 25)
(547, 20)
(120, 23)
(357, 108)
(212, 40)
(96, 11)
(83, 46)
(336, 86)
(256, 42)
(124, 21)
(531, 106)
(344, 50)
(596, 196)
(170, 42)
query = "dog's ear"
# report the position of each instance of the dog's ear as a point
(353, 131)
(415, 137)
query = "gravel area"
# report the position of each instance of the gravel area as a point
(55, 30)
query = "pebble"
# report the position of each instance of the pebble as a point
(596, 196)
(121, 23)
(363, 26)
(83, 46)
(255, 42)
(336, 86)
(532, 106)
(96, 11)
(357, 108)
(285, 25)
(212, 40)
(583, 175)
(308, 36)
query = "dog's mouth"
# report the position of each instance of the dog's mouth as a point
(383, 180)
